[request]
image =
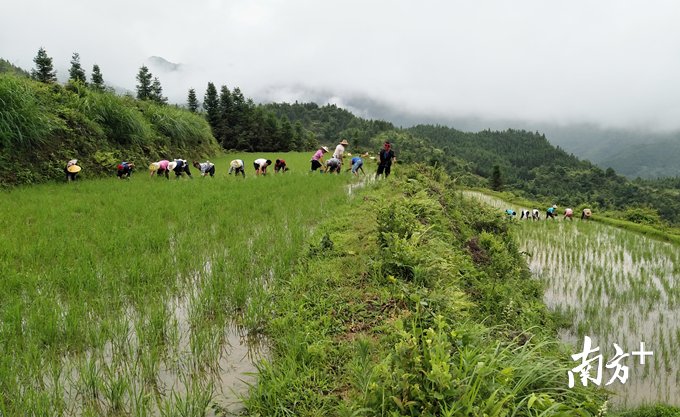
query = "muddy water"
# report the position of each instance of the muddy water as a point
(619, 287)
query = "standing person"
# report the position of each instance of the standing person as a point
(340, 150)
(386, 159)
(568, 213)
(180, 166)
(357, 164)
(261, 165)
(317, 159)
(161, 168)
(280, 165)
(71, 170)
(550, 212)
(333, 165)
(237, 166)
(586, 213)
(206, 168)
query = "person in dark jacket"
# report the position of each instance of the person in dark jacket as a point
(385, 162)
(125, 170)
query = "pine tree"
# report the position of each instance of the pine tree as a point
(496, 180)
(144, 87)
(192, 102)
(76, 72)
(44, 71)
(226, 106)
(97, 79)
(211, 106)
(157, 92)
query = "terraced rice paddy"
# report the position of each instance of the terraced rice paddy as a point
(619, 287)
(147, 296)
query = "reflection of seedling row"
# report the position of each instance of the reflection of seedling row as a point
(131, 308)
(618, 287)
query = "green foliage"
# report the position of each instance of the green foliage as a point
(97, 78)
(157, 92)
(8, 67)
(43, 71)
(651, 411)
(76, 72)
(144, 86)
(192, 102)
(496, 182)
(642, 215)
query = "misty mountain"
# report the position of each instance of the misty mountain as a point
(157, 63)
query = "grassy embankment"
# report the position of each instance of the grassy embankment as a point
(414, 301)
(43, 126)
(121, 297)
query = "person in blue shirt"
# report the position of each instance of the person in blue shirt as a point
(510, 213)
(357, 164)
(551, 212)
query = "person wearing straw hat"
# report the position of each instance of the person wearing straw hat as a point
(206, 168)
(340, 150)
(317, 159)
(71, 170)
(551, 212)
(386, 158)
(237, 166)
(160, 168)
(180, 166)
(125, 169)
(586, 213)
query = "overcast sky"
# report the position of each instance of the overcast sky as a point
(614, 63)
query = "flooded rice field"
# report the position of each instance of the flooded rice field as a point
(618, 287)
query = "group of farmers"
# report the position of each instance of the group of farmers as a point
(550, 213)
(237, 166)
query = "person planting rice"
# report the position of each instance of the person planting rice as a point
(357, 164)
(125, 169)
(280, 165)
(160, 168)
(71, 170)
(510, 213)
(333, 165)
(525, 214)
(317, 159)
(180, 166)
(550, 212)
(206, 168)
(586, 213)
(568, 213)
(261, 165)
(237, 166)
(340, 150)
(535, 214)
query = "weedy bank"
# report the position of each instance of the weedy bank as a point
(414, 301)
(123, 297)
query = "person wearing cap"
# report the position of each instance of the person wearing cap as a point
(261, 165)
(550, 212)
(586, 213)
(569, 214)
(237, 166)
(180, 166)
(280, 165)
(206, 168)
(357, 164)
(125, 170)
(71, 170)
(333, 165)
(317, 159)
(340, 150)
(386, 159)
(160, 168)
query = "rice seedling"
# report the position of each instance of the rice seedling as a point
(619, 287)
(142, 297)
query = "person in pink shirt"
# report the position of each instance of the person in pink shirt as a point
(317, 159)
(160, 168)
(568, 214)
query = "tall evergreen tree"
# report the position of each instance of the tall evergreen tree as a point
(226, 132)
(496, 179)
(97, 79)
(157, 92)
(44, 71)
(192, 102)
(76, 72)
(211, 106)
(144, 77)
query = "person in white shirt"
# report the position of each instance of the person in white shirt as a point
(261, 165)
(206, 168)
(237, 166)
(340, 150)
